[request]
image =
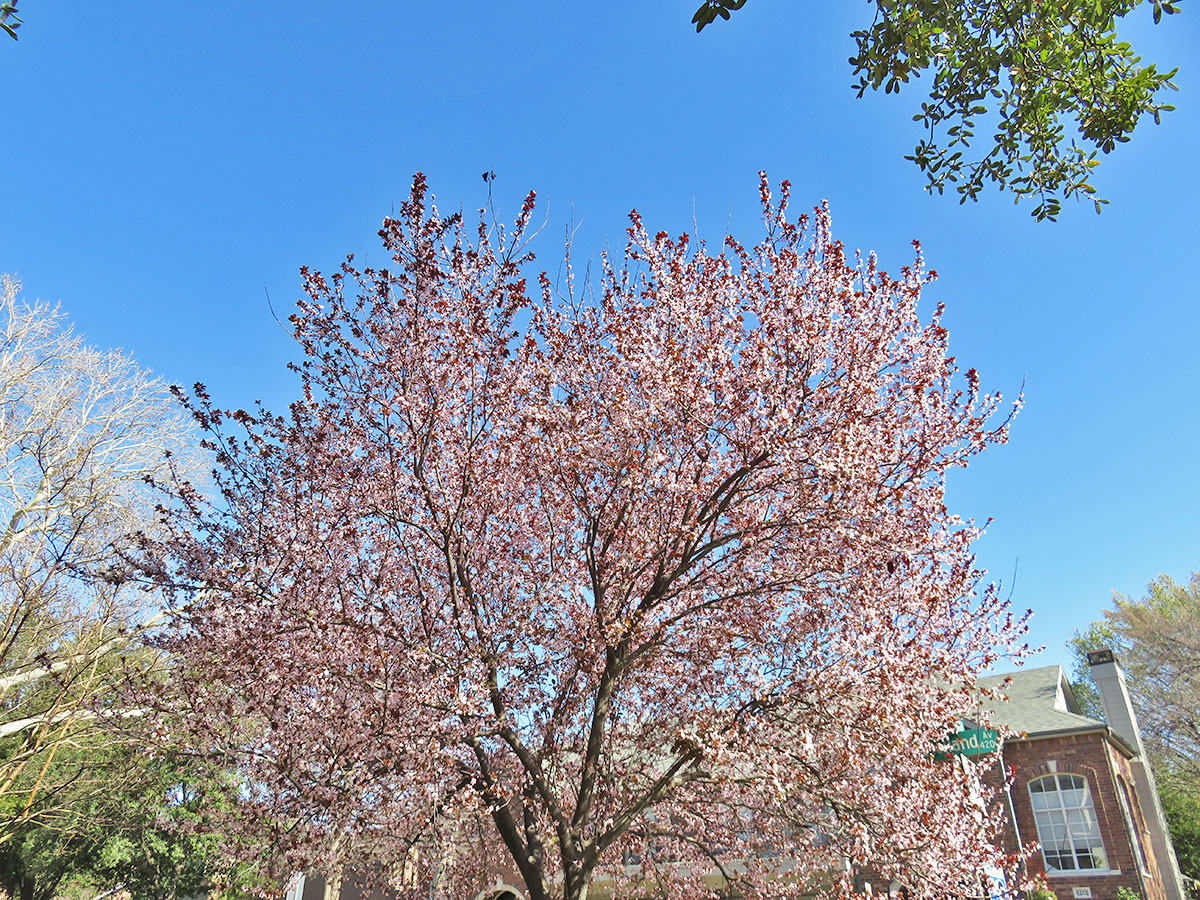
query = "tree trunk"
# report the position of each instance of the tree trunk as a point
(333, 885)
(575, 887)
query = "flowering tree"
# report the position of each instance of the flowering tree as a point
(654, 589)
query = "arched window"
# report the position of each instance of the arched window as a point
(1066, 823)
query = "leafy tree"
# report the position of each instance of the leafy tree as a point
(1181, 806)
(1052, 81)
(51, 805)
(566, 584)
(145, 831)
(1157, 639)
(157, 838)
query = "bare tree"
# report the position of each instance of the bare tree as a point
(82, 431)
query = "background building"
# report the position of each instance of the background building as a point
(1082, 788)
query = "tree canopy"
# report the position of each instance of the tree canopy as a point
(1157, 639)
(1053, 83)
(131, 820)
(650, 585)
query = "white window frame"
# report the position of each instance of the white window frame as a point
(1067, 827)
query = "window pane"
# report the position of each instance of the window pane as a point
(1057, 860)
(1066, 822)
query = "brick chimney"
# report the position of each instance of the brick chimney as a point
(1120, 717)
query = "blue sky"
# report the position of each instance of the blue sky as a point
(167, 166)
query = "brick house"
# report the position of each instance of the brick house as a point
(1083, 788)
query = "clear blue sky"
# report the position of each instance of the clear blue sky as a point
(168, 165)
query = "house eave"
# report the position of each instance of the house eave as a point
(1113, 738)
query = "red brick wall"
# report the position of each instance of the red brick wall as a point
(1093, 757)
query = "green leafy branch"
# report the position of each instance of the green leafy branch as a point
(710, 9)
(1032, 67)
(9, 20)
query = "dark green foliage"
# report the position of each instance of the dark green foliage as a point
(1051, 81)
(1181, 805)
(142, 826)
(710, 9)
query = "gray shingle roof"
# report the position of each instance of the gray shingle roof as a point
(1039, 702)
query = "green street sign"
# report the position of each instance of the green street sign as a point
(970, 742)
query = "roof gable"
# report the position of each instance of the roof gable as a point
(1039, 701)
